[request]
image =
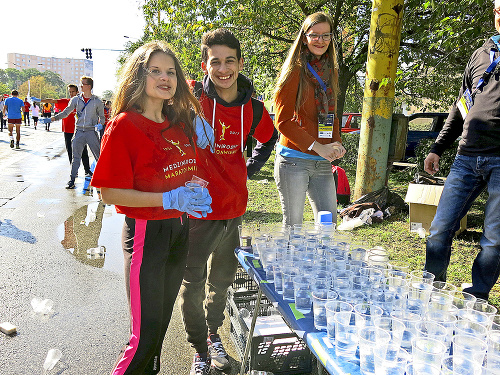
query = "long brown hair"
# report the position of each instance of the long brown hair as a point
(131, 92)
(297, 57)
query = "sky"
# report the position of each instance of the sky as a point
(61, 28)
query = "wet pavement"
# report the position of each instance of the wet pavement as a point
(64, 245)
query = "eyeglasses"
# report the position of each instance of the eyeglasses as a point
(157, 73)
(496, 11)
(326, 37)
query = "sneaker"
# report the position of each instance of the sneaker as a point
(466, 285)
(88, 174)
(17, 146)
(217, 352)
(201, 365)
(11, 143)
(70, 184)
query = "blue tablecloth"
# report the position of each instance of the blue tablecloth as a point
(301, 324)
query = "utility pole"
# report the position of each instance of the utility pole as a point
(378, 101)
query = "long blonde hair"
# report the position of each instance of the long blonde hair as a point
(131, 92)
(297, 57)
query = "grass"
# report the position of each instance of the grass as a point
(393, 233)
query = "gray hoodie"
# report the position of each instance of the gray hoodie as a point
(88, 115)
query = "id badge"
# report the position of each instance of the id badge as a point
(465, 103)
(325, 129)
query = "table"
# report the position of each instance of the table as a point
(302, 324)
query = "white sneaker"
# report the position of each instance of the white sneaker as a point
(466, 285)
(217, 353)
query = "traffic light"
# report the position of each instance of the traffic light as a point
(88, 52)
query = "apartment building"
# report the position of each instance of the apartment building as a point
(70, 70)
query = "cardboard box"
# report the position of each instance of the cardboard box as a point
(423, 201)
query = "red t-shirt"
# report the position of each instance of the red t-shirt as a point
(225, 169)
(136, 154)
(27, 106)
(68, 123)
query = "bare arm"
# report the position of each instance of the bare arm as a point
(131, 197)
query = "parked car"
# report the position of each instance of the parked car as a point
(420, 126)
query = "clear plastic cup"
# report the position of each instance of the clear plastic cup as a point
(467, 327)
(332, 308)
(320, 298)
(409, 320)
(288, 274)
(454, 365)
(390, 360)
(391, 325)
(369, 339)
(444, 287)
(365, 313)
(302, 293)
(428, 351)
(467, 346)
(422, 369)
(433, 330)
(346, 335)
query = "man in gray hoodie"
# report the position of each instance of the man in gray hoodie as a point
(89, 118)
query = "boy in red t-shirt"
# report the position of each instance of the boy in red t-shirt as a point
(227, 104)
(26, 111)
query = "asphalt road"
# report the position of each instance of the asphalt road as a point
(45, 234)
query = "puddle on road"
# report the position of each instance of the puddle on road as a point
(93, 235)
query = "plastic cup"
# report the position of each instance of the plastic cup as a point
(422, 369)
(494, 342)
(342, 281)
(428, 350)
(409, 320)
(419, 276)
(495, 322)
(302, 293)
(461, 299)
(369, 337)
(320, 298)
(246, 233)
(444, 318)
(474, 316)
(288, 274)
(420, 289)
(467, 327)
(391, 325)
(467, 346)
(435, 331)
(399, 265)
(278, 278)
(492, 362)
(483, 306)
(365, 313)
(384, 297)
(440, 301)
(454, 365)
(444, 287)
(332, 308)
(390, 360)
(346, 335)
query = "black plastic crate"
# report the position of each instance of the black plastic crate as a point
(283, 353)
(243, 282)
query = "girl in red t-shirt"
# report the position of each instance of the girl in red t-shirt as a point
(147, 156)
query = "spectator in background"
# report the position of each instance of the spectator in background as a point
(27, 106)
(46, 112)
(13, 107)
(2, 121)
(90, 114)
(35, 112)
(68, 127)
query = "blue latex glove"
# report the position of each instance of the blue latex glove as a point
(44, 120)
(99, 127)
(188, 200)
(204, 133)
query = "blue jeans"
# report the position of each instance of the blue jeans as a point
(296, 177)
(469, 175)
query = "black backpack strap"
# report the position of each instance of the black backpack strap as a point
(198, 89)
(257, 111)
